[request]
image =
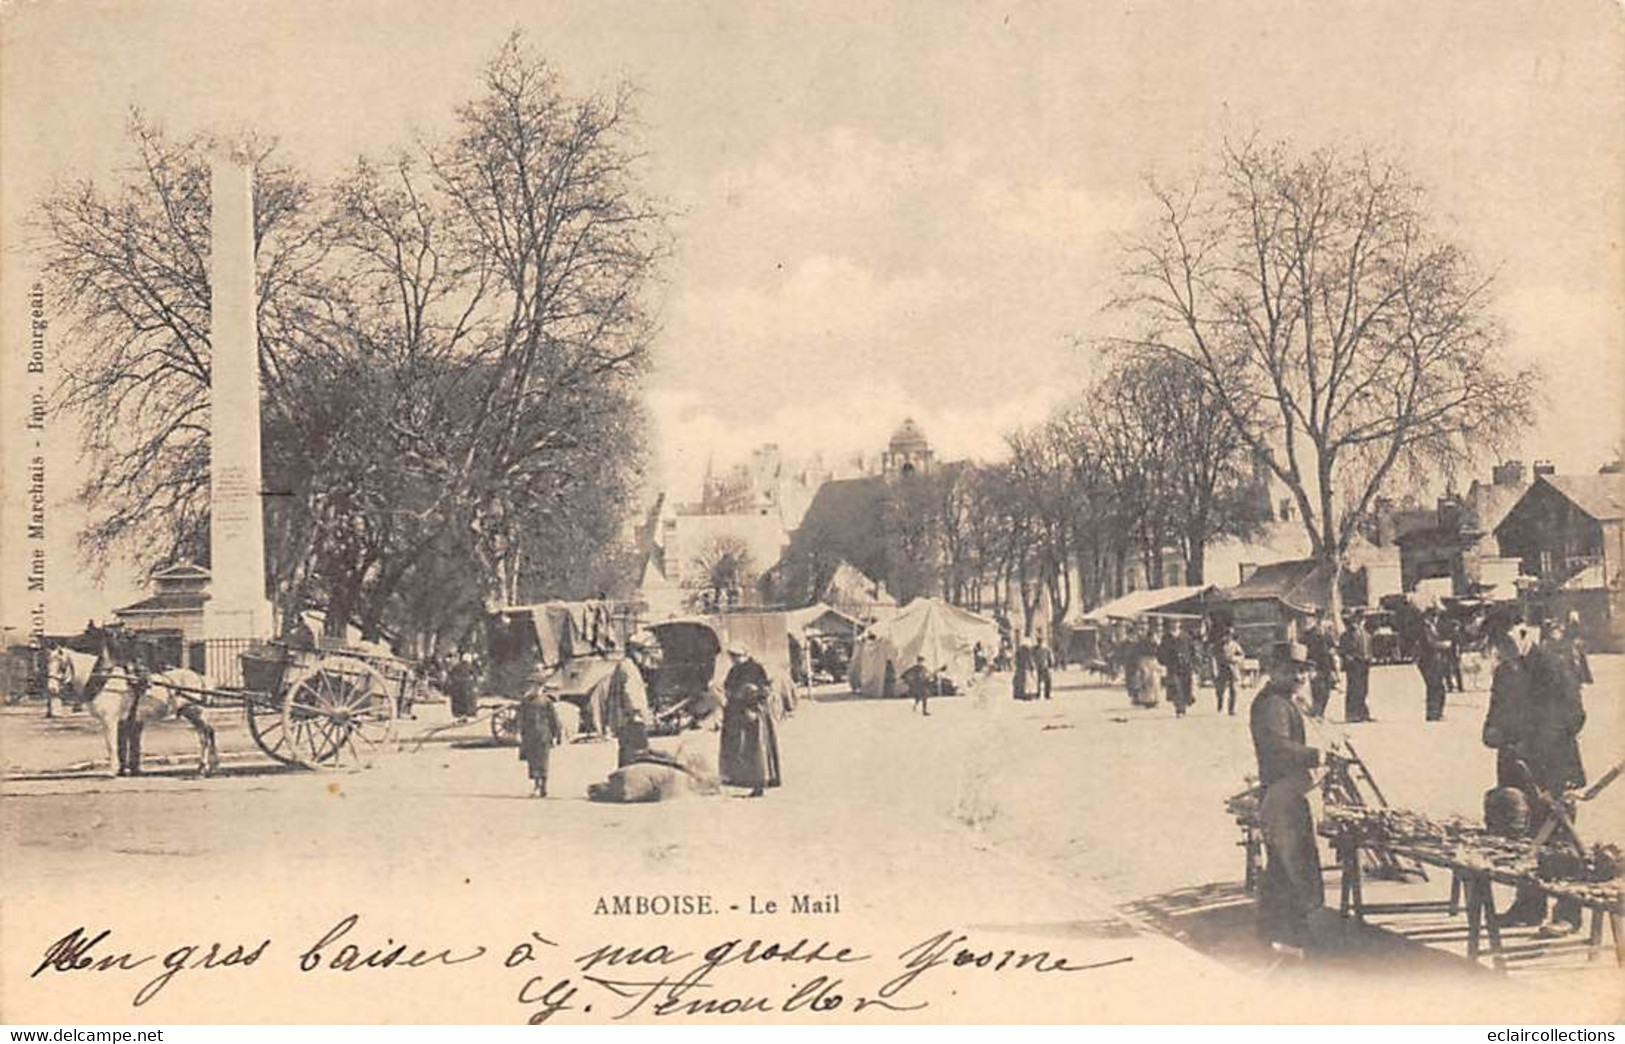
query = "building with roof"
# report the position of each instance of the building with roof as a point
(1568, 531)
(850, 520)
(1454, 541)
(180, 593)
(1566, 524)
(769, 483)
(1274, 601)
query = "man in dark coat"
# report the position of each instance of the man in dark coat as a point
(1291, 887)
(1176, 655)
(1024, 666)
(919, 682)
(1450, 632)
(1355, 647)
(1432, 650)
(1533, 723)
(750, 742)
(539, 732)
(1318, 641)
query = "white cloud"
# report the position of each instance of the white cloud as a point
(835, 285)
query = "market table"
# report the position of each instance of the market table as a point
(1476, 860)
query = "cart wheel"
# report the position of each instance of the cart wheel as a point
(265, 725)
(339, 713)
(505, 724)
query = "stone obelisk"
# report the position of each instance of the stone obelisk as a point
(237, 606)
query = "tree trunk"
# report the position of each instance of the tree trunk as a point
(1334, 600)
(1196, 560)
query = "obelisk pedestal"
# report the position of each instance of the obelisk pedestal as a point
(237, 606)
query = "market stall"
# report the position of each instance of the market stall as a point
(1476, 859)
(1369, 839)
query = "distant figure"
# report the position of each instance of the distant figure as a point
(1227, 657)
(1024, 666)
(750, 742)
(626, 710)
(539, 731)
(1355, 648)
(1430, 660)
(299, 635)
(888, 684)
(919, 683)
(1574, 647)
(979, 658)
(460, 687)
(1450, 631)
(1110, 654)
(1145, 674)
(1044, 670)
(1175, 655)
(1318, 641)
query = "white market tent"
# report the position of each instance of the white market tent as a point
(1138, 603)
(944, 634)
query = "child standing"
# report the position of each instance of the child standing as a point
(539, 732)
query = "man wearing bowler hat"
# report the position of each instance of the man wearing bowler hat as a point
(1291, 888)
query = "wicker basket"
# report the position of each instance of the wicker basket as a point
(263, 669)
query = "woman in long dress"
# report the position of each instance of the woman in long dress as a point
(750, 742)
(1149, 670)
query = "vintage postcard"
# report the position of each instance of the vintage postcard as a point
(818, 513)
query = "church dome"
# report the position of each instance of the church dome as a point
(908, 438)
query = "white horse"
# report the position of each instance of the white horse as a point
(123, 714)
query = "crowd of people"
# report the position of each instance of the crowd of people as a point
(1533, 722)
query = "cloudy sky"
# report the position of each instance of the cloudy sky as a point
(889, 209)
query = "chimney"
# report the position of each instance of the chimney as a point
(1507, 473)
(1450, 512)
(1544, 467)
(1384, 510)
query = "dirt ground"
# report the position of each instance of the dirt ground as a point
(1081, 826)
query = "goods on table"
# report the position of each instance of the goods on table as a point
(1590, 877)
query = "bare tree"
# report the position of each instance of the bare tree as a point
(1173, 453)
(543, 200)
(1345, 339)
(451, 346)
(130, 264)
(722, 572)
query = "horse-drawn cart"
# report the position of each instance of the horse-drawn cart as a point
(316, 708)
(320, 709)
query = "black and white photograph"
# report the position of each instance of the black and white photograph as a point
(835, 513)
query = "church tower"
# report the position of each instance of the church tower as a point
(908, 453)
